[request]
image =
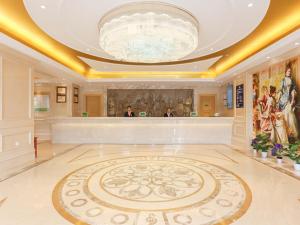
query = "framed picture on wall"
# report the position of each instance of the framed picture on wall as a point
(61, 94)
(76, 91)
(76, 95)
(61, 99)
(76, 99)
(41, 102)
(61, 90)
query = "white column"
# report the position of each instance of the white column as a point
(16, 118)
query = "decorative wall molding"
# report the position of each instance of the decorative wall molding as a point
(1, 143)
(15, 124)
(16, 114)
(239, 135)
(30, 93)
(16, 139)
(1, 88)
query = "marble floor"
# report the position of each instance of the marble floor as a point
(150, 185)
(46, 151)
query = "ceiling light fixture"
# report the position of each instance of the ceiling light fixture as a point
(250, 5)
(148, 32)
(297, 43)
(43, 7)
(268, 57)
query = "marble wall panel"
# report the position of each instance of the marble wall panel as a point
(152, 101)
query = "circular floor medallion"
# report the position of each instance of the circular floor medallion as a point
(151, 182)
(173, 190)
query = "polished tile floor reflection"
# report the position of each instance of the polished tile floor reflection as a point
(150, 185)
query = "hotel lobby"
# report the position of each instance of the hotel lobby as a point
(134, 112)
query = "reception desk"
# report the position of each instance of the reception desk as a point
(108, 130)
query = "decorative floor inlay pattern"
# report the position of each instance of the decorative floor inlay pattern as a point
(152, 190)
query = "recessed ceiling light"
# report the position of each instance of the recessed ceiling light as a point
(268, 57)
(250, 4)
(297, 43)
(43, 6)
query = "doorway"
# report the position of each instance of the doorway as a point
(94, 105)
(207, 105)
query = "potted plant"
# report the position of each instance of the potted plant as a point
(263, 144)
(254, 145)
(279, 151)
(294, 154)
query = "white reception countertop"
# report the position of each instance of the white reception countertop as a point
(142, 130)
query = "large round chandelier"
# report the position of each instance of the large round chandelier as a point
(148, 32)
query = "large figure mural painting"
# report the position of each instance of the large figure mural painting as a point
(276, 102)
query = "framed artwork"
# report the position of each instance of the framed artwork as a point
(76, 99)
(61, 90)
(41, 102)
(276, 102)
(76, 95)
(61, 94)
(61, 99)
(76, 91)
(152, 101)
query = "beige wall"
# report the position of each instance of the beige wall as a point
(16, 116)
(75, 106)
(239, 129)
(68, 109)
(56, 109)
(204, 90)
(223, 95)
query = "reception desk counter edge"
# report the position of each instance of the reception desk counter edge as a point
(141, 130)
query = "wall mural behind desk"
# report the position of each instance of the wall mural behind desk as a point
(276, 102)
(152, 101)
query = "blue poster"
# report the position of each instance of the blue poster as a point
(229, 96)
(240, 96)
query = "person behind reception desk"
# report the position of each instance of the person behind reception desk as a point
(168, 113)
(129, 113)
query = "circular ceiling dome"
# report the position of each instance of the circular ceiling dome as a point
(148, 32)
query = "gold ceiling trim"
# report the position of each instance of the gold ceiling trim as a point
(281, 19)
(93, 74)
(16, 23)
